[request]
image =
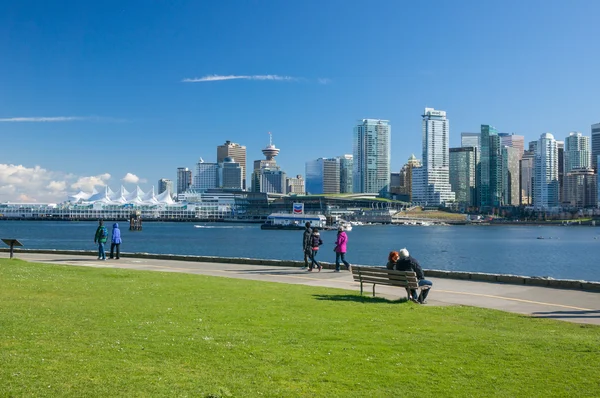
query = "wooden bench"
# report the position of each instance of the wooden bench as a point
(383, 276)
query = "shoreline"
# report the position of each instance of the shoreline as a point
(571, 284)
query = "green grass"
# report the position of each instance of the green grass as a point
(77, 331)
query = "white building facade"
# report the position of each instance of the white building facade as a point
(371, 156)
(206, 176)
(545, 182)
(436, 158)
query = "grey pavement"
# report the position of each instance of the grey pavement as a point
(561, 304)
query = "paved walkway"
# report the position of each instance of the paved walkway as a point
(567, 305)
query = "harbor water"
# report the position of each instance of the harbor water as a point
(547, 251)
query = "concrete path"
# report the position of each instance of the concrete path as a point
(567, 305)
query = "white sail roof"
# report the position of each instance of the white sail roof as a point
(122, 196)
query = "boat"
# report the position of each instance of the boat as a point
(293, 221)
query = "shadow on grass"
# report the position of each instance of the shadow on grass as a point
(567, 314)
(358, 298)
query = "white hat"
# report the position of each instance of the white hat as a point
(404, 253)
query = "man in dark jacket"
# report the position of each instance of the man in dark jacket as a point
(408, 263)
(306, 244)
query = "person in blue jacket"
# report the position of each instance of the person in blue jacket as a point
(115, 241)
(101, 237)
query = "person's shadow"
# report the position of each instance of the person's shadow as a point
(358, 298)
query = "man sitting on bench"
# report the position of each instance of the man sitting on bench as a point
(408, 263)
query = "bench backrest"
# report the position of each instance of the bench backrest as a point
(384, 276)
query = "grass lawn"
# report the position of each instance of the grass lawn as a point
(77, 331)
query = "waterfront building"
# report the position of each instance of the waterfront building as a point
(463, 162)
(273, 181)
(406, 178)
(184, 179)
(581, 188)
(436, 163)
(230, 174)
(267, 176)
(346, 165)
(371, 156)
(164, 184)
(545, 183)
(526, 176)
(418, 191)
(595, 144)
(560, 146)
(235, 151)
(510, 176)
(206, 176)
(323, 176)
(490, 169)
(296, 186)
(513, 141)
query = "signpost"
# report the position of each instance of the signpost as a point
(12, 243)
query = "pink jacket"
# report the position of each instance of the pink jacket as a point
(340, 243)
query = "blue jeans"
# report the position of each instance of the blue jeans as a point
(101, 253)
(424, 292)
(313, 261)
(339, 256)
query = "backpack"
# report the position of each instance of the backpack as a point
(103, 233)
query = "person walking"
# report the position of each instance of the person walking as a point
(408, 263)
(115, 242)
(306, 244)
(340, 249)
(101, 237)
(315, 242)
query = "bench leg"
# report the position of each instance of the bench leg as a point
(373, 290)
(361, 289)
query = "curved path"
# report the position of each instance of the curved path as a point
(562, 304)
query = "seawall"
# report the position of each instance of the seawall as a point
(463, 275)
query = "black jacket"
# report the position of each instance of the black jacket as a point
(410, 264)
(315, 240)
(306, 245)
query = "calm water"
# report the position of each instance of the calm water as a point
(566, 252)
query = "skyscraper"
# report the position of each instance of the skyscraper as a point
(462, 174)
(406, 178)
(346, 165)
(184, 179)
(229, 174)
(577, 152)
(164, 184)
(545, 183)
(472, 140)
(581, 188)
(436, 163)
(295, 186)
(235, 151)
(206, 176)
(510, 176)
(595, 144)
(490, 172)
(371, 146)
(323, 176)
(526, 174)
(267, 175)
(513, 141)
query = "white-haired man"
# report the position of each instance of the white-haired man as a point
(408, 263)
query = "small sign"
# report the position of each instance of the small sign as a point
(298, 208)
(12, 243)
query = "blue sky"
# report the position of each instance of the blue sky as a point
(109, 78)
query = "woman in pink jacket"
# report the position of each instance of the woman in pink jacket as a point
(340, 249)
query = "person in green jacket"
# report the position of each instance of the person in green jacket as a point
(101, 237)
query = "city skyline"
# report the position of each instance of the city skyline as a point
(112, 93)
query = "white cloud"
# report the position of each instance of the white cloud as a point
(46, 119)
(56, 186)
(323, 80)
(89, 183)
(131, 178)
(213, 78)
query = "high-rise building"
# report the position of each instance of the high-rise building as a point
(164, 184)
(560, 147)
(206, 176)
(513, 141)
(346, 165)
(230, 174)
(545, 183)
(472, 140)
(510, 176)
(267, 176)
(595, 145)
(490, 168)
(418, 191)
(323, 176)
(235, 151)
(577, 152)
(526, 173)
(581, 188)
(406, 178)
(436, 162)
(371, 146)
(295, 186)
(184, 179)
(463, 162)
(395, 181)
